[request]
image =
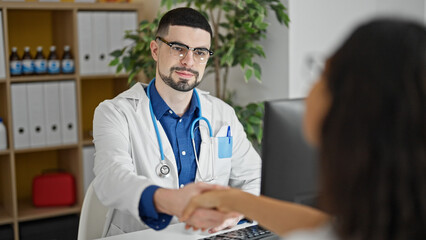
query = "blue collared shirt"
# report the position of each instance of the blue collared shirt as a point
(178, 133)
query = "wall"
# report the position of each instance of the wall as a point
(316, 29)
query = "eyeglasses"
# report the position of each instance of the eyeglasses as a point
(179, 50)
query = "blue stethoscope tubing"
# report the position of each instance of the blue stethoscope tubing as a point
(157, 132)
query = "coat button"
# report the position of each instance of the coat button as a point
(183, 153)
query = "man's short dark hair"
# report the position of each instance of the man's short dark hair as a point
(183, 17)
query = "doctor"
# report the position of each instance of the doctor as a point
(153, 142)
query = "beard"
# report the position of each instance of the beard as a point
(181, 84)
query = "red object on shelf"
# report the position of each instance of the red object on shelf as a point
(53, 189)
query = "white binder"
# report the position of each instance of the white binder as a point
(85, 44)
(2, 55)
(68, 102)
(36, 114)
(115, 35)
(130, 22)
(100, 46)
(52, 112)
(21, 134)
(88, 164)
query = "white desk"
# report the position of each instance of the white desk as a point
(174, 231)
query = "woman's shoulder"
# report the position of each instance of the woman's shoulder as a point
(324, 232)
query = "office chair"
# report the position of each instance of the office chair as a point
(92, 216)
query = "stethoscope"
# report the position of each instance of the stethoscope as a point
(163, 169)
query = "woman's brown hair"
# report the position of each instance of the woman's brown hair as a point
(373, 139)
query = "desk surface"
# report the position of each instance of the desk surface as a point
(174, 231)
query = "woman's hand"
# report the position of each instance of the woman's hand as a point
(214, 199)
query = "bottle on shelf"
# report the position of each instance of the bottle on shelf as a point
(3, 135)
(15, 63)
(40, 64)
(67, 63)
(27, 62)
(53, 64)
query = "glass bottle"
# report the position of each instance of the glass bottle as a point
(67, 63)
(53, 65)
(27, 62)
(40, 61)
(15, 63)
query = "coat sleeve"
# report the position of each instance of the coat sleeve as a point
(246, 162)
(116, 183)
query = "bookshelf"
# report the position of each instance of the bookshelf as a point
(44, 24)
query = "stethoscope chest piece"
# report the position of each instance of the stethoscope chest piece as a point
(163, 170)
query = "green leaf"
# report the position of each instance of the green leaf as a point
(263, 25)
(119, 68)
(247, 25)
(117, 53)
(257, 71)
(240, 5)
(248, 74)
(224, 60)
(249, 129)
(259, 135)
(255, 120)
(131, 76)
(114, 62)
(126, 63)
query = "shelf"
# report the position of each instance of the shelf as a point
(35, 78)
(4, 152)
(108, 76)
(69, 5)
(26, 211)
(48, 148)
(46, 24)
(4, 217)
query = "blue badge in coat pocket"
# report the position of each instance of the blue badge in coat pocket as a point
(224, 147)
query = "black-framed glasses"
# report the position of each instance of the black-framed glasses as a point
(179, 50)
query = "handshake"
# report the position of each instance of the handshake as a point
(198, 205)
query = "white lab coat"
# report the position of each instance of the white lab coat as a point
(127, 154)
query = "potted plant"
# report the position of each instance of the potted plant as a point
(238, 26)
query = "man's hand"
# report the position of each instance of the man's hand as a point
(174, 201)
(210, 201)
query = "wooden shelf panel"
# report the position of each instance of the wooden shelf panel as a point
(111, 87)
(35, 78)
(87, 142)
(109, 76)
(70, 6)
(49, 148)
(26, 211)
(4, 152)
(5, 218)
